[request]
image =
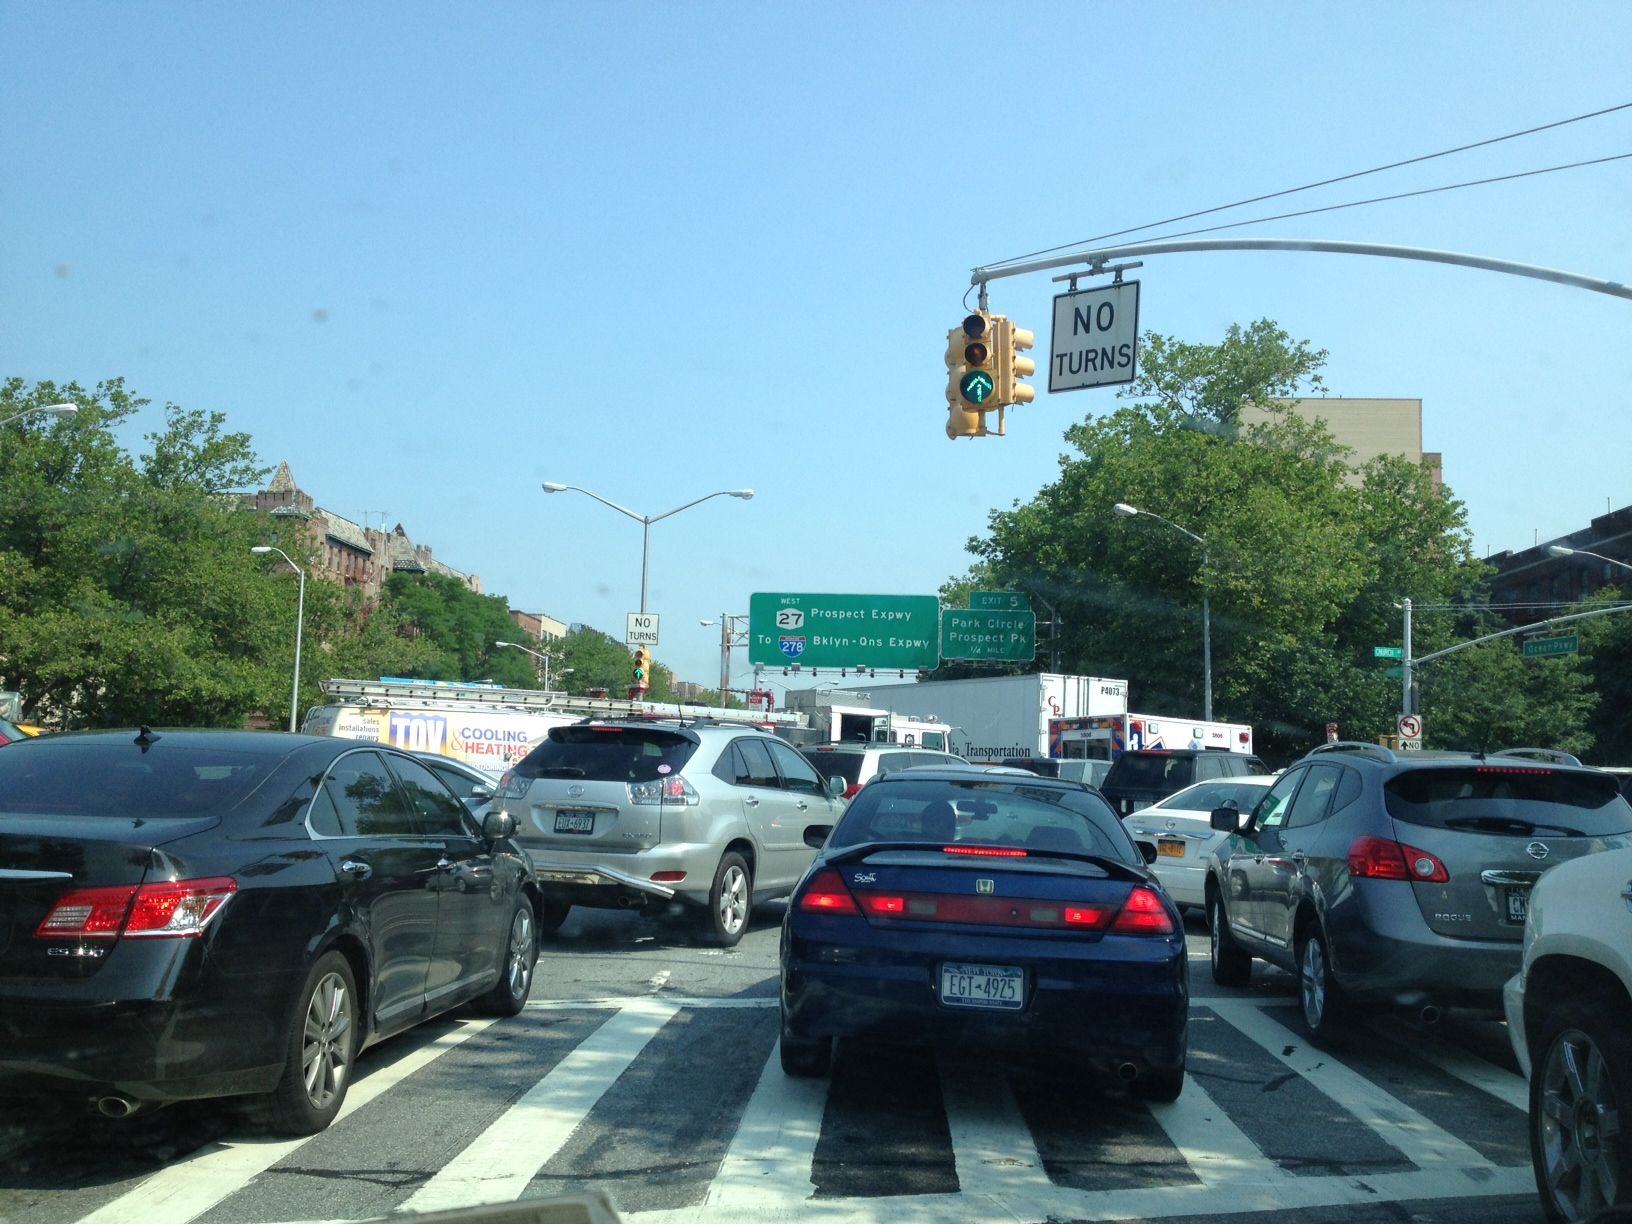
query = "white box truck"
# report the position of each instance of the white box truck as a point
(995, 719)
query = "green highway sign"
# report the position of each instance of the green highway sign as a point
(898, 632)
(977, 386)
(1008, 634)
(1551, 647)
(1387, 652)
(998, 599)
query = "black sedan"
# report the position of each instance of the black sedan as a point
(992, 909)
(192, 914)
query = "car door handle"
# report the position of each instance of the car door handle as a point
(752, 800)
(443, 863)
(1627, 893)
(1299, 857)
(358, 871)
(801, 805)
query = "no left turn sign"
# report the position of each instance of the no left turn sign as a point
(1410, 726)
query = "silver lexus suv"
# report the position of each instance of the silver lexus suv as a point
(642, 813)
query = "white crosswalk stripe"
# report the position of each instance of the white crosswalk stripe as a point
(768, 1172)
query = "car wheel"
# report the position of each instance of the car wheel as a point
(1318, 996)
(806, 1057)
(730, 900)
(551, 915)
(1160, 1085)
(1580, 1098)
(1232, 965)
(509, 993)
(319, 1046)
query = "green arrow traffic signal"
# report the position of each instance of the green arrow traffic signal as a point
(976, 386)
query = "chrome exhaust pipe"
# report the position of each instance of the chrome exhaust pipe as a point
(1429, 1014)
(1127, 1072)
(116, 1106)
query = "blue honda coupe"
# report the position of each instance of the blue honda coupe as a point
(987, 908)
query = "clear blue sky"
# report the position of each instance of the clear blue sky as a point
(661, 249)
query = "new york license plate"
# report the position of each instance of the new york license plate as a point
(999, 987)
(575, 822)
(1170, 849)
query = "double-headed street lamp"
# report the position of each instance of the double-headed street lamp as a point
(1558, 550)
(537, 654)
(646, 520)
(60, 411)
(300, 616)
(1123, 510)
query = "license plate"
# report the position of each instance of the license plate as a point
(998, 987)
(1170, 849)
(1518, 904)
(575, 822)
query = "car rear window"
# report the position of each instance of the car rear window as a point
(1006, 813)
(112, 777)
(598, 753)
(1151, 771)
(1517, 801)
(846, 765)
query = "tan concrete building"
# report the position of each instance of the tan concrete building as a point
(1368, 427)
(347, 552)
(539, 625)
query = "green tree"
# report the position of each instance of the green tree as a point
(461, 626)
(1304, 563)
(127, 590)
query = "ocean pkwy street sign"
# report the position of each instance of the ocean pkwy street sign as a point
(973, 634)
(1096, 337)
(1551, 647)
(898, 632)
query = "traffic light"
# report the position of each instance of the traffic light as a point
(971, 378)
(643, 668)
(1008, 343)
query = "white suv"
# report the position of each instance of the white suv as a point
(1569, 1016)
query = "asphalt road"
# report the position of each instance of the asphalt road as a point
(644, 1066)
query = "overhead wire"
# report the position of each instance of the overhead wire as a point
(1341, 178)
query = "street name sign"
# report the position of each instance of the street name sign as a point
(642, 629)
(998, 599)
(898, 632)
(1096, 337)
(1551, 647)
(974, 634)
(1388, 652)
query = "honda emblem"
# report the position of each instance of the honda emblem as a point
(985, 887)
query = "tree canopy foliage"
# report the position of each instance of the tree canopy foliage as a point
(1304, 561)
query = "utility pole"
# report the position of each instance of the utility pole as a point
(725, 658)
(1408, 689)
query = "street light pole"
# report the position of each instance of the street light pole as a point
(1123, 510)
(1558, 550)
(645, 520)
(545, 658)
(300, 618)
(60, 411)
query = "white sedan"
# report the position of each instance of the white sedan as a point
(1181, 827)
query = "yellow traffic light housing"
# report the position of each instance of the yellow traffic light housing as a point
(642, 669)
(971, 377)
(1009, 342)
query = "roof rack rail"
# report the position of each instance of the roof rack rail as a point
(1377, 750)
(1554, 755)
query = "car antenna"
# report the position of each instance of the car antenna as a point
(145, 738)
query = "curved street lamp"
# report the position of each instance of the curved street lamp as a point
(300, 616)
(1123, 510)
(646, 520)
(1558, 550)
(60, 411)
(565, 671)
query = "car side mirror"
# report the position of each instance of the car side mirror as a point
(496, 826)
(836, 786)
(816, 835)
(1147, 851)
(1226, 820)
(481, 792)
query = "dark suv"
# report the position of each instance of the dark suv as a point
(1400, 879)
(1138, 779)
